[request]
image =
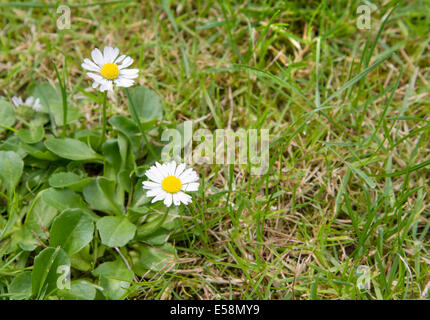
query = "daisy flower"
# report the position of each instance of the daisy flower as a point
(109, 69)
(29, 102)
(168, 183)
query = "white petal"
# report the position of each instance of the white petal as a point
(194, 186)
(154, 192)
(168, 200)
(29, 101)
(161, 169)
(161, 196)
(114, 54)
(150, 185)
(189, 176)
(185, 198)
(120, 58)
(124, 82)
(17, 101)
(107, 54)
(176, 199)
(37, 106)
(106, 85)
(126, 63)
(127, 76)
(95, 77)
(97, 57)
(154, 174)
(179, 169)
(171, 167)
(89, 65)
(128, 72)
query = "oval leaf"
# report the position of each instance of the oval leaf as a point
(52, 102)
(20, 287)
(31, 135)
(146, 103)
(11, 166)
(115, 231)
(72, 230)
(79, 290)
(157, 258)
(100, 194)
(68, 180)
(49, 265)
(7, 115)
(115, 278)
(71, 149)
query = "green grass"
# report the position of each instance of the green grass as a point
(347, 111)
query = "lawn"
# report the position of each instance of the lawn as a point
(339, 210)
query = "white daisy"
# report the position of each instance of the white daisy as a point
(110, 69)
(36, 105)
(17, 101)
(29, 102)
(168, 181)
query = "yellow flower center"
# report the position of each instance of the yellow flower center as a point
(109, 71)
(171, 184)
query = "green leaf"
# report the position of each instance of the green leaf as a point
(63, 179)
(151, 225)
(31, 135)
(7, 115)
(40, 216)
(79, 290)
(81, 263)
(115, 231)
(100, 194)
(93, 138)
(115, 278)
(139, 195)
(20, 287)
(12, 143)
(129, 129)
(146, 104)
(112, 154)
(25, 239)
(51, 101)
(11, 166)
(156, 238)
(68, 180)
(71, 149)
(72, 230)
(62, 199)
(157, 258)
(363, 175)
(49, 265)
(114, 270)
(44, 155)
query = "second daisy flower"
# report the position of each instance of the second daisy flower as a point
(169, 181)
(109, 69)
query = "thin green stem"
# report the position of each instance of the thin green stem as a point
(64, 100)
(104, 118)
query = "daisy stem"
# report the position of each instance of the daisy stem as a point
(62, 84)
(104, 118)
